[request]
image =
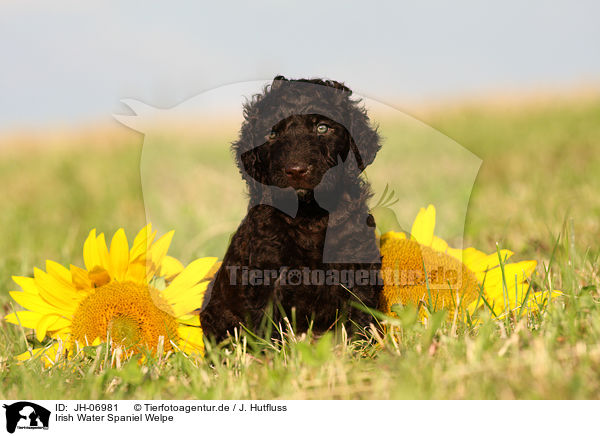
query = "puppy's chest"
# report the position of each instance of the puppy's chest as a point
(305, 238)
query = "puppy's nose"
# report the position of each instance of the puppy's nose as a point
(296, 171)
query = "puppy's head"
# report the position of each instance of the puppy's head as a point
(299, 129)
(297, 152)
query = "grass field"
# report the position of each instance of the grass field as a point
(539, 183)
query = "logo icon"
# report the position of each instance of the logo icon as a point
(26, 415)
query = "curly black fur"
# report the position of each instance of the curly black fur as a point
(291, 162)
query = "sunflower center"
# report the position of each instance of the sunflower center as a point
(416, 274)
(124, 330)
(130, 314)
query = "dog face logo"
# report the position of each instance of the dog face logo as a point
(419, 165)
(26, 415)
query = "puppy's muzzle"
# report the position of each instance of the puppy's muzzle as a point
(297, 172)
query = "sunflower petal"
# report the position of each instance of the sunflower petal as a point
(29, 354)
(496, 296)
(64, 334)
(103, 251)
(33, 302)
(142, 241)
(27, 284)
(438, 244)
(191, 339)
(137, 271)
(91, 257)
(170, 267)
(213, 271)
(24, 318)
(57, 270)
(541, 297)
(456, 253)
(119, 255)
(191, 300)
(158, 251)
(56, 293)
(48, 355)
(99, 276)
(391, 236)
(424, 226)
(520, 270)
(80, 277)
(192, 274)
(471, 254)
(43, 325)
(176, 295)
(191, 319)
(486, 262)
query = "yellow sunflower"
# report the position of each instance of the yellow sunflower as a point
(423, 270)
(136, 298)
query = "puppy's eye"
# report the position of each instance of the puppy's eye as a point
(322, 128)
(272, 134)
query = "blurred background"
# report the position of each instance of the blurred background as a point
(514, 86)
(68, 62)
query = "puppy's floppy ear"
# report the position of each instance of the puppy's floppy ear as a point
(365, 139)
(252, 163)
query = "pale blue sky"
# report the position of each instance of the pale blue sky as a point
(69, 62)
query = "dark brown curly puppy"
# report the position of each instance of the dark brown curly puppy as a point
(307, 245)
